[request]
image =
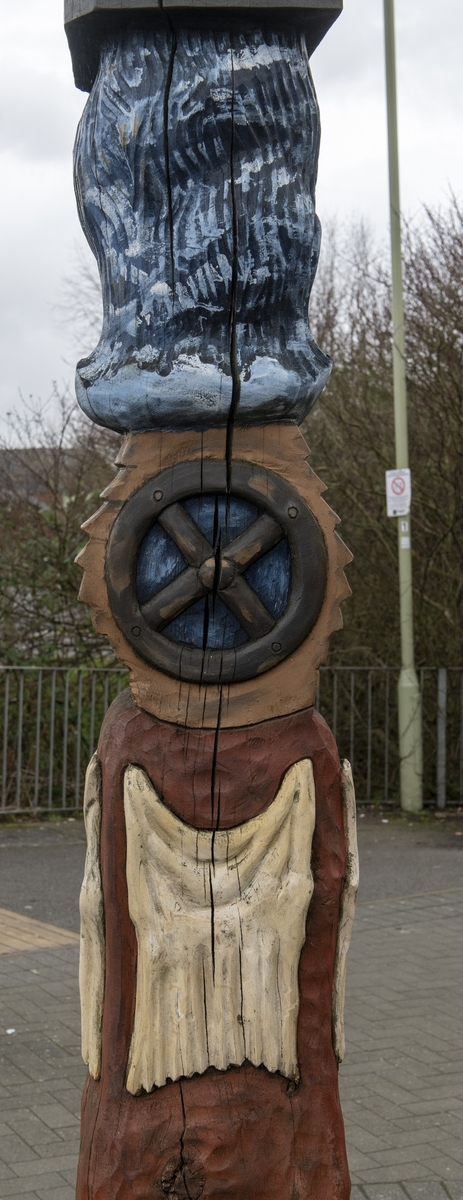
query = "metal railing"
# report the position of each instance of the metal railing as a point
(360, 705)
(50, 720)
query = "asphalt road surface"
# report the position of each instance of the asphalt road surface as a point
(41, 866)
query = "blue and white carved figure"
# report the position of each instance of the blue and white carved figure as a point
(195, 169)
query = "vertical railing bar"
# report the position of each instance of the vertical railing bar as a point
(461, 739)
(5, 736)
(65, 740)
(441, 737)
(119, 683)
(369, 740)
(19, 752)
(78, 739)
(386, 739)
(335, 702)
(422, 683)
(352, 728)
(106, 694)
(37, 739)
(52, 739)
(92, 713)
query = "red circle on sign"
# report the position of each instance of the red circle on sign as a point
(398, 485)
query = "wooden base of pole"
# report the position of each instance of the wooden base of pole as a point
(244, 1133)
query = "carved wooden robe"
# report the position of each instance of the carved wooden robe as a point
(200, 1125)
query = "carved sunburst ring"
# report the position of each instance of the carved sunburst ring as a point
(291, 685)
(274, 515)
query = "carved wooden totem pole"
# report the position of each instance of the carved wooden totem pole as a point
(221, 868)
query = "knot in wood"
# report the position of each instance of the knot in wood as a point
(183, 1179)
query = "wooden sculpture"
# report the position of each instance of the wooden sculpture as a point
(221, 868)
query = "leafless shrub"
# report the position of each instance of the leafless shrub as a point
(351, 433)
(53, 466)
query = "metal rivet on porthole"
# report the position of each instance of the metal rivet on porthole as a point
(136, 630)
(292, 511)
(157, 495)
(276, 646)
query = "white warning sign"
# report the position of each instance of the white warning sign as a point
(398, 492)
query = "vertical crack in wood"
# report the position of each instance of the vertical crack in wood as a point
(210, 599)
(234, 366)
(240, 959)
(206, 1026)
(217, 569)
(277, 980)
(217, 543)
(205, 626)
(211, 898)
(234, 404)
(240, 967)
(215, 819)
(182, 1146)
(170, 72)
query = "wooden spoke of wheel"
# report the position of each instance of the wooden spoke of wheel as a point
(186, 535)
(187, 587)
(245, 604)
(174, 599)
(256, 540)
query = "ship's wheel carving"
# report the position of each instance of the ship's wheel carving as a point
(214, 583)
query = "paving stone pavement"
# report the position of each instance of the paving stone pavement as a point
(41, 1073)
(401, 1083)
(402, 1079)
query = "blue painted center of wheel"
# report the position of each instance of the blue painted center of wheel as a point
(208, 623)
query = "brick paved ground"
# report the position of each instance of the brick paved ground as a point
(402, 1082)
(41, 1073)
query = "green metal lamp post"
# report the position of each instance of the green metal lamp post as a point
(409, 696)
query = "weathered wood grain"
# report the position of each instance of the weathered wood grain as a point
(292, 683)
(73, 9)
(244, 1133)
(201, 215)
(92, 941)
(347, 909)
(89, 22)
(220, 922)
(220, 874)
(187, 652)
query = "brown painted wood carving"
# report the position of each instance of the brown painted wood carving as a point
(221, 870)
(278, 451)
(246, 1132)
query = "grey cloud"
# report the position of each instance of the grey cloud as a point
(39, 110)
(37, 114)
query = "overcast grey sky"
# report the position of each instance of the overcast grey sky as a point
(40, 108)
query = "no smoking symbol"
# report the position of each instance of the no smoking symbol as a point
(398, 485)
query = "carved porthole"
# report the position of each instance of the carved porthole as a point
(215, 580)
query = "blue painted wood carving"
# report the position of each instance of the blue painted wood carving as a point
(201, 214)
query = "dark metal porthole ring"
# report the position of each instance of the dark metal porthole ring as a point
(282, 513)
